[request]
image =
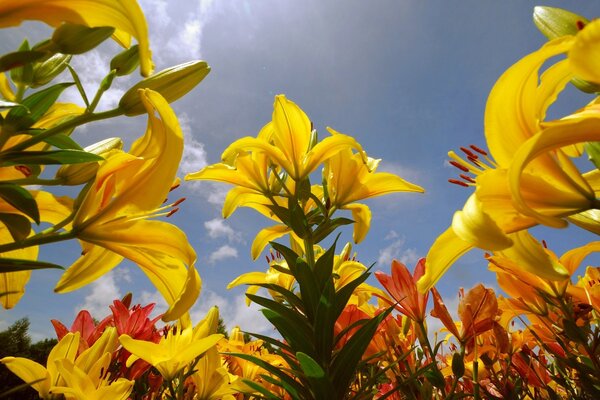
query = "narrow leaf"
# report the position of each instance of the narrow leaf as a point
(20, 199)
(19, 58)
(18, 225)
(53, 157)
(36, 105)
(14, 264)
(309, 366)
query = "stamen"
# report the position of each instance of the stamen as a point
(467, 178)
(544, 244)
(175, 186)
(468, 152)
(457, 182)
(25, 170)
(479, 150)
(173, 211)
(459, 166)
(580, 24)
(267, 257)
(178, 202)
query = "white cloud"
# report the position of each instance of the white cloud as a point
(222, 253)
(410, 174)
(194, 155)
(395, 250)
(103, 291)
(217, 228)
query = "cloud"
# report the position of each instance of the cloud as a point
(222, 253)
(408, 173)
(194, 155)
(395, 250)
(103, 291)
(217, 228)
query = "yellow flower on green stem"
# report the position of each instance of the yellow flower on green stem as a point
(44, 377)
(287, 142)
(350, 179)
(530, 180)
(125, 16)
(112, 219)
(177, 349)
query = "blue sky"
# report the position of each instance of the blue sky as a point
(408, 79)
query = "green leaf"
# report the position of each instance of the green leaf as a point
(52, 157)
(8, 104)
(14, 264)
(289, 296)
(326, 228)
(36, 105)
(20, 199)
(273, 342)
(18, 225)
(19, 58)
(297, 219)
(63, 142)
(261, 389)
(78, 39)
(290, 390)
(324, 266)
(343, 294)
(309, 366)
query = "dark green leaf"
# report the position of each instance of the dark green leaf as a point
(63, 142)
(48, 157)
(289, 332)
(297, 219)
(343, 294)
(20, 199)
(18, 59)
(273, 342)
(18, 225)
(310, 367)
(289, 296)
(326, 228)
(261, 389)
(290, 390)
(78, 39)
(324, 266)
(36, 105)
(14, 264)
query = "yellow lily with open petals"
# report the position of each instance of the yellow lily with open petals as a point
(349, 179)
(287, 142)
(125, 16)
(111, 220)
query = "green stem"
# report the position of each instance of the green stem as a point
(20, 92)
(72, 123)
(36, 240)
(427, 344)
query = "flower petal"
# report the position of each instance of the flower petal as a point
(265, 236)
(585, 53)
(362, 220)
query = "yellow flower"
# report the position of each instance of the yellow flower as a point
(584, 56)
(44, 377)
(124, 15)
(287, 142)
(212, 381)
(112, 220)
(177, 349)
(530, 179)
(349, 180)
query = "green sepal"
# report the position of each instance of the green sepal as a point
(79, 39)
(45, 71)
(18, 226)
(15, 264)
(126, 61)
(20, 199)
(53, 157)
(36, 105)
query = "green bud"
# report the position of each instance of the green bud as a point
(172, 83)
(126, 61)
(78, 39)
(555, 22)
(77, 174)
(23, 74)
(45, 71)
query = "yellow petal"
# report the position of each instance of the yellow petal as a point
(249, 278)
(95, 262)
(65, 349)
(12, 284)
(29, 371)
(124, 15)
(265, 236)
(585, 53)
(5, 89)
(362, 220)
(187, 297)
(292, 132)
(512, 110)
(446, 249)
(573, 258)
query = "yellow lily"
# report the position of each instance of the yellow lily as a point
(584, 56)
(349, 180)
(287, 142)
(212, 381)
(44, 377)
(530, 179)
(111, 221)
(125, 16)
(177, 349)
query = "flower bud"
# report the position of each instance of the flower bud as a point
(555, 22)
(77, 174)
(126, 61)
(47, 70)
(78, 39)
(172, 83)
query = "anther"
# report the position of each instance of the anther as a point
(267, 257)
(457, 182)
(175, 186)
(544, 244)
(580, 24)
(24, 170)
(467, 178)
(178, 202)
(468, 152)
(479, 150)
(173, 211)
(459, 166)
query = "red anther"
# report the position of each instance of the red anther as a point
(459, 166)
(173, 211)
(267, 257)
(467, 178)
(24, 170)
(174, 187)
(544, 244)
(457, 182)
(467, 152)
(580, 24)
(178, 202)
(475, 160)
(479, 150)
